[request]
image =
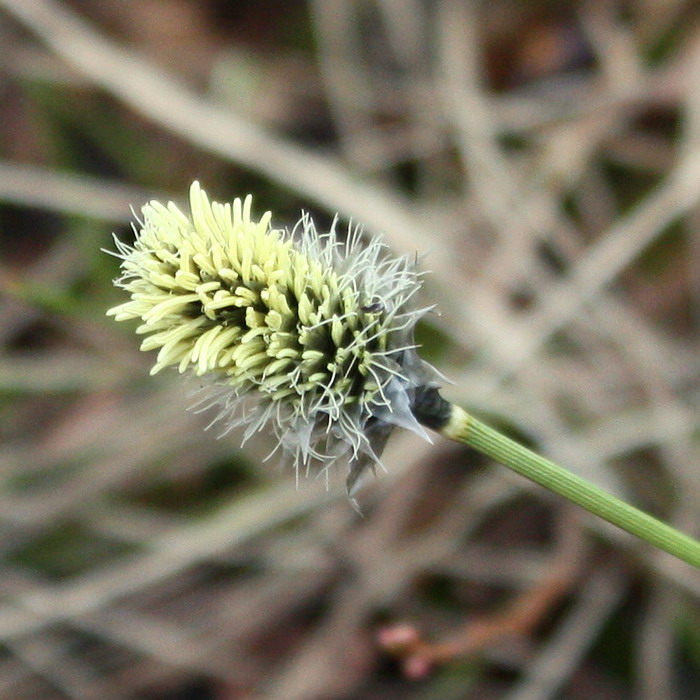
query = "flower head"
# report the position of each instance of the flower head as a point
(306, 334)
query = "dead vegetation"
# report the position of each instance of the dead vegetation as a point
(544, 158)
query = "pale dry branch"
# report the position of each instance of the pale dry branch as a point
(548, 673)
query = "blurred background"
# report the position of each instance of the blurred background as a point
(543, 161)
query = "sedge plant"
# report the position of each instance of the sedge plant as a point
(310, 336)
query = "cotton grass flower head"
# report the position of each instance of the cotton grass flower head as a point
(306, 334)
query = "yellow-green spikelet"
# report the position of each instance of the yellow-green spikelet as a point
(313, 327)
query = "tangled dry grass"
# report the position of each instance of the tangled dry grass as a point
(545, 157)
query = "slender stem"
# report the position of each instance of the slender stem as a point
(466, 429)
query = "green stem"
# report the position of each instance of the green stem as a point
(466, 429)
